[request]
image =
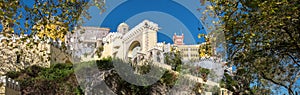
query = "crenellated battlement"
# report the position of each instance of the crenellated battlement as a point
(112, 36)
(140, 28)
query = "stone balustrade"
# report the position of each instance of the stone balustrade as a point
(10, 86)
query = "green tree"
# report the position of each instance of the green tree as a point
(53, 17)
(59, 78)
(263, 43)
(173, 58)
(99, 51)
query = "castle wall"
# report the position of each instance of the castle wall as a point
(18, 55)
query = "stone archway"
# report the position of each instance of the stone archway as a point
(139, 40)
(133, 49)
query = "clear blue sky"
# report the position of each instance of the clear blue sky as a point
(177, 16)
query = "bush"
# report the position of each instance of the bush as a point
(13, 74)
(105, 64)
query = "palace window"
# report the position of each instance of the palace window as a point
(18, 58)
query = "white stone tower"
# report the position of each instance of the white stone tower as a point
(123, 28)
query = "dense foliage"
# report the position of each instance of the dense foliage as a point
(263, 43)
(46, 18)
(60, 78)
(173, 59)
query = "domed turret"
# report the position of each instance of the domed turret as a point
(123, 28)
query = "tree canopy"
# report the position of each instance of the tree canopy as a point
(46, 18)
(263, 43)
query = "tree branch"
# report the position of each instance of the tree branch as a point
(296, 62)
(278, 83)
